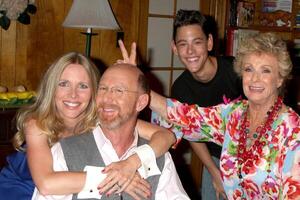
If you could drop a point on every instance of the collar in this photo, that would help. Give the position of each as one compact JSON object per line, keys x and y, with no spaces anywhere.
{"x":103,"y":142}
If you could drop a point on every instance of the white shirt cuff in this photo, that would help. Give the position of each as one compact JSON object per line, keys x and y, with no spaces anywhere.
{"x":148,"y":161}
{"x":94,"y":176}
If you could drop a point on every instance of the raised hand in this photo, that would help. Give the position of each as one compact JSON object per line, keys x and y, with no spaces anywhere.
{"x":130,"y":59}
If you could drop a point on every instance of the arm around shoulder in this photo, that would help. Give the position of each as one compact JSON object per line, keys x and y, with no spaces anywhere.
{"x":40,"y":161}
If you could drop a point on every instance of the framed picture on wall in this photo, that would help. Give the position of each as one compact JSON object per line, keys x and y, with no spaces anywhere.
{"x":245,"y":13}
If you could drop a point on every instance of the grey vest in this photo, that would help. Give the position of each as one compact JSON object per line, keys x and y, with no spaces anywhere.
{"x":81,"y":150}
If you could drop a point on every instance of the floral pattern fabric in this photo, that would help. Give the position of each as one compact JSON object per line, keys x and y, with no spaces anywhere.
{"x":220,"y":124}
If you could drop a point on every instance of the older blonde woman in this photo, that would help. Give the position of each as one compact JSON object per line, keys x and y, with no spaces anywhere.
{"x":259,"y":136}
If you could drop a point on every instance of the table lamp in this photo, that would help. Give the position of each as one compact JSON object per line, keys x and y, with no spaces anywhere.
{"x":91,"y":14}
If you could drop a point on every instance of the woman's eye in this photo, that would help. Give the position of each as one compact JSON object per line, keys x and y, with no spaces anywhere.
{"x":83,"y":86}
{"x":63,"y":83}
{"x":247,"y":69}
{"x":266,"y":71}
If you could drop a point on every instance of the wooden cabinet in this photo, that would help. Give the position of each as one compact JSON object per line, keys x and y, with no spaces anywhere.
{"x":265,"y":16}
{"x":7,"y":131}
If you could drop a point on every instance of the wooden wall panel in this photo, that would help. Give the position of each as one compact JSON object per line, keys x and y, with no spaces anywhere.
{"x":216,"y":9}
{"x":26,"y":51}
{"x":21,"y":56}
{"x":46,"y":41}
{"x":8,"y":55}
{"x":127,"y":13}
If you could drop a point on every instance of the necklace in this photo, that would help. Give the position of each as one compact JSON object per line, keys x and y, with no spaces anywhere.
{"x":247,"y":157}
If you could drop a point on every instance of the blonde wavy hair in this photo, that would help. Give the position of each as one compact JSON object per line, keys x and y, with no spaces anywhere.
{"x":44,"y":111}
{"x":266,"y":43}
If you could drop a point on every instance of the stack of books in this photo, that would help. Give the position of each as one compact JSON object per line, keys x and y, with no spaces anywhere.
{"x":234,"y":38}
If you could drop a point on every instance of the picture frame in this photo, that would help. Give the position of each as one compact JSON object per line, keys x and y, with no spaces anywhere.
{"x":245,"y":13}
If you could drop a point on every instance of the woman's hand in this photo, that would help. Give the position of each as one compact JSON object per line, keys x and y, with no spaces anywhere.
{"x":218,"y":185}
{"x":119,"y":175}
{"x":130,"y":59}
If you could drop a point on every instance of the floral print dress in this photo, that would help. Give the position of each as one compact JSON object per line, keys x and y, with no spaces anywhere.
{"x":275,"y":171}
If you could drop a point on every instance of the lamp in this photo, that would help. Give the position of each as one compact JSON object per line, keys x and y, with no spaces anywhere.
{"x":90,"y":14}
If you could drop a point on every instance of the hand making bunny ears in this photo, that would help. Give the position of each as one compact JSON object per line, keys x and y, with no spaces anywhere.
{"x":130,"y":59}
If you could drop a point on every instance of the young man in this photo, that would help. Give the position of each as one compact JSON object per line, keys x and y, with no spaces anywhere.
{"x":207,"y":81}
{"x":122,"y":93}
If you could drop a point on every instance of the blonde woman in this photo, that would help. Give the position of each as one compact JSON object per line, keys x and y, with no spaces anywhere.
{"x":65,"y":106}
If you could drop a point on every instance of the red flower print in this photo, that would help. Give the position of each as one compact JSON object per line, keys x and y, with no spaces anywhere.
{"x":237,"y":194}
{"x":293,"y":187}
{"x":227,"y":164}
{"x":251,"y":188}
{"x":271,"y":187}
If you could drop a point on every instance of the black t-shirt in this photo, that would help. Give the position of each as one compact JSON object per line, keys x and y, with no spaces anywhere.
{"x":226,"y":82}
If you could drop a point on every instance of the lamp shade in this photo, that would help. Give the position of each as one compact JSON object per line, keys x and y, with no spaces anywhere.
{"x":88,"y":14}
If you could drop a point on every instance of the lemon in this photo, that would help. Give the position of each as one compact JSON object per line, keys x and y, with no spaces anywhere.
{"x":24,"y":95}
{"x":3,"y":95}
{"x":11,"y":95}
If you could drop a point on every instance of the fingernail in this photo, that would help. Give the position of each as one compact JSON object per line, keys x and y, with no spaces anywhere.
{"x":103,"y":170}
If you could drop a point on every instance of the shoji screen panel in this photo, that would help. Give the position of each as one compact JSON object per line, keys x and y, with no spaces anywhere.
{"x":165,"y":67}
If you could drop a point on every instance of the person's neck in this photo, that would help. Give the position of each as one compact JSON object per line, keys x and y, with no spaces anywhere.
{"x":69,"y":128}
{"x":258,"y":112}
{"x":121,"y":138}
{"x":208,"y":72}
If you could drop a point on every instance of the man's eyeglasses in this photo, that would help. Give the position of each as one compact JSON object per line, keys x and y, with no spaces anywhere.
{"x":117,"y":91}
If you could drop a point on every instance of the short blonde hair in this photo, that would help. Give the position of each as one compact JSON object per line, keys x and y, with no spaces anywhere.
{"x":44,"y":109}
{"x":265,"y":43}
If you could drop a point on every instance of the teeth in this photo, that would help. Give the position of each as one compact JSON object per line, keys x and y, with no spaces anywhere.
{"x":192,"y":59}
{"x":108,"y":109}
{"x":71,"y":104}
{"x":255,"y":87}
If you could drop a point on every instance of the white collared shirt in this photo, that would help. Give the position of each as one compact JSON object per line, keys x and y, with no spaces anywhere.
{"x":169,"y":185}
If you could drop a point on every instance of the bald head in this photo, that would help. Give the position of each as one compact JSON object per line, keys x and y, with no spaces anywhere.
{"x":128,"y":72}
{"x":124,"y":67}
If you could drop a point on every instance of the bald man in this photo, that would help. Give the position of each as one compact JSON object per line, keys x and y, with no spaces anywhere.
{"x":122,"y":93}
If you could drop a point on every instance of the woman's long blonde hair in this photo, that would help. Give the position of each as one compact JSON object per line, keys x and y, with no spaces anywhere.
{"x":44,"y":111}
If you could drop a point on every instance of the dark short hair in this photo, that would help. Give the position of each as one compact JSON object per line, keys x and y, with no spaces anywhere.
{"x":144,"y":83}
{"x":190,"y":17}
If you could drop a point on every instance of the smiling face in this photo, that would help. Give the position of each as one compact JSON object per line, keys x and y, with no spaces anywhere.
{"x":261,"y":79}
{"x":119,"y":97}
{"x":192,"y":47}
{"x":73,"y":93}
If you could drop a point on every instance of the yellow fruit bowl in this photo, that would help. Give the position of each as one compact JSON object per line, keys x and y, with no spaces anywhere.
{"x":16,"y":99}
